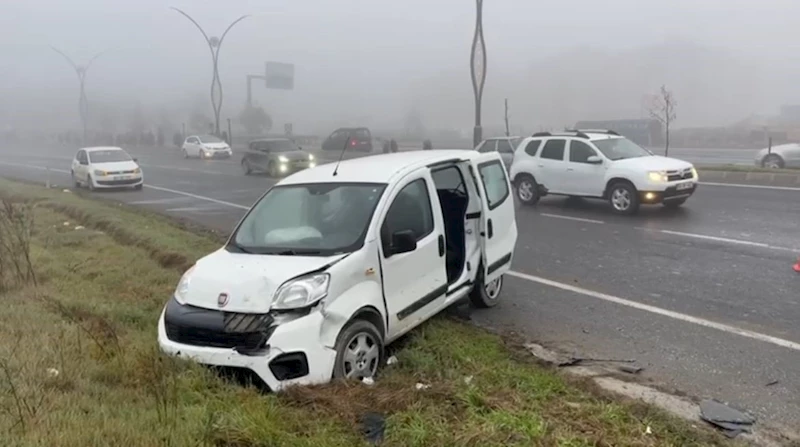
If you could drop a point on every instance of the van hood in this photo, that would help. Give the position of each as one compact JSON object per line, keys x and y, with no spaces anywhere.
{"x":653,"y":163}
{"x":249,"y":280}
{"x":116,"y":166}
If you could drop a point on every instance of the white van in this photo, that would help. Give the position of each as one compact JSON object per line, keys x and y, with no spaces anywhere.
{"x":332,"y":264}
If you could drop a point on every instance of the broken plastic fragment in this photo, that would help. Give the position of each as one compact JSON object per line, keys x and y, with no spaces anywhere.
{"x":630,"y":369}
{"x":52,"y":372}
{"x":422,"y":386}
{"x":648,"y":431}
{"x":368,"y":381}
{"x":80,"y":227}
{"x":730,"y":421}
{"x":468,"y":380}
{"x":391,"y":360}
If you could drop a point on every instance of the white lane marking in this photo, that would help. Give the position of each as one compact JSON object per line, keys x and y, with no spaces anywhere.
{"x":579,"y":219}
{"x":161,"y":201}
{"x":720,"y":239}
{"x":738,"y":185}
{"x":659,"y":311}
{"x":187,"y":194}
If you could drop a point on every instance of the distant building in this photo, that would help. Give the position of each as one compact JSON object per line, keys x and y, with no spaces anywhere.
{"x":645,"y":132}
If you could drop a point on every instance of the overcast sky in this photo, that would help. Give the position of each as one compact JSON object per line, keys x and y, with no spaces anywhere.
{"x":360,"y":59}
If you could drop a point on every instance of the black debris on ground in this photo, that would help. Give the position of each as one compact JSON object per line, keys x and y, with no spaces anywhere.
{"x":373,"y":426}
{"x":730,"y":421}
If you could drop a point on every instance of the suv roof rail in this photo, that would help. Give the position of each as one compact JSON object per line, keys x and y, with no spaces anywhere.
{"x":605,"y":131}
{"x":566,"y":132}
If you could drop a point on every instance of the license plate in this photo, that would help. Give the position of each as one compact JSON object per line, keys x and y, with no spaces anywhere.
{"x":684,"y":186}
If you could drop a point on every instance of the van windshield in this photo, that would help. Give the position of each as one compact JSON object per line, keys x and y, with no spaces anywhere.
{"x":319,"y":219}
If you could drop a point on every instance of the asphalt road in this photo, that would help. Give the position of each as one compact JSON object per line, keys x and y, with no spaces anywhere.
{"x":702,"y":297}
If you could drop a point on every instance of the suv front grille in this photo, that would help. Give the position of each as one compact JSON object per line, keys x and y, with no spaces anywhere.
{"x":685,"y":174}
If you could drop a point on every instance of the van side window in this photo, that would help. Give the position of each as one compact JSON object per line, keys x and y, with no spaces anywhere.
{"x":495,"y":183}
{"x":410,"y":210}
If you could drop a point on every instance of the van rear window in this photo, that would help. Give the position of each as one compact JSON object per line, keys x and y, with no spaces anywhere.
{"x":362,"y":134}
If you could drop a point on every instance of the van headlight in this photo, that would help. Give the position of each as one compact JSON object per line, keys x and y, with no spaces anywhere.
{"x":301,"y":292}
{"x":100,"y":173}
{"x":694,"y":173}
{"x":183,"y":286}
{"x":310,"y":157}
{"x":657,"y":176}
{"x":283,"y":159}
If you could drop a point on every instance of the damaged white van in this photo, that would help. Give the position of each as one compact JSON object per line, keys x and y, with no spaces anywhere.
{"x":333,"y":263}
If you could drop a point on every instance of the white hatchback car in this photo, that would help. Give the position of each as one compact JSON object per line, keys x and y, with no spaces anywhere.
{"x":599,"y":164}
{"x":205,"y":147}
{"x":331,"y":264}
{"x":105,"y":167}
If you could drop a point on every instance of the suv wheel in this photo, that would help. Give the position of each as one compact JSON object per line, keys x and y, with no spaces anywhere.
{"x":623,"y":198}
{"x":527,"y":190}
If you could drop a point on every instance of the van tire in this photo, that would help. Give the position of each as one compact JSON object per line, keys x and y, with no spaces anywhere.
{"x":354,"y":333}
{"x":484,"y":297}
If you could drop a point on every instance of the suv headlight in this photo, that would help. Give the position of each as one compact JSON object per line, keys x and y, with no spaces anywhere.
{"x":301,"y":292}
{"x":657,"y":176}
{"x":283,"y":159}
{"x":183,"y":286}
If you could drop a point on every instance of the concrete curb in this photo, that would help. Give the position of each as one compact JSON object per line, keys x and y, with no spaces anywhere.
{"x":764,"y":434}
{"x":750,"y":178}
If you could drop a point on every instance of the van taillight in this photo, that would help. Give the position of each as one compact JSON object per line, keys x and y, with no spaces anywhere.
{"x":353,"y":142}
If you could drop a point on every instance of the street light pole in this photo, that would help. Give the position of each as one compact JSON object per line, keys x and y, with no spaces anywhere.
{"x":83,"y":101}
{"x":214,"y":44}
{"x":478,"y":71}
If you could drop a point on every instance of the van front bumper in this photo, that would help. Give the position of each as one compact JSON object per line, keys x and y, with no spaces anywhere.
{"x":281,"y":355}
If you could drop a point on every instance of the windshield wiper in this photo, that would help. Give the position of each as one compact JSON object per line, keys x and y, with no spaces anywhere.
{"x":240,"y":248}
{"x":296,"y":252}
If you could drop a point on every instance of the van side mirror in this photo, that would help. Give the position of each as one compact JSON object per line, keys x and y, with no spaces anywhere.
{"x":403,"y":242}
{"x":594,"y":159}
{"x":136,"y":160}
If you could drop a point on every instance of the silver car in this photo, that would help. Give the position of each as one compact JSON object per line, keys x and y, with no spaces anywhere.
{"x":504,"y":145}
{"x":781,"y":156}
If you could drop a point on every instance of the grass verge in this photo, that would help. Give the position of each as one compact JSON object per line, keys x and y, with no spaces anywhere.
{"x":79,"y":363}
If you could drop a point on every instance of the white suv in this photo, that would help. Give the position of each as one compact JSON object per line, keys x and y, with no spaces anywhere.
{"x":599,"y":164}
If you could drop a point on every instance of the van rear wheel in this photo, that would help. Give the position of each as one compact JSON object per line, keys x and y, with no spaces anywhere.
{"x":485,"y":295}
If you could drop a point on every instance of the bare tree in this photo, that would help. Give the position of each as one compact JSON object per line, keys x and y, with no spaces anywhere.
{"x":663,"y":110}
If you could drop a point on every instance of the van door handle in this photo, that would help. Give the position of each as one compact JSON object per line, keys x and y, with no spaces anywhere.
{"x":490,"y":228}
{"x":441,"y":245}
{"x":541,"y":166}
{"x":570,"y":169}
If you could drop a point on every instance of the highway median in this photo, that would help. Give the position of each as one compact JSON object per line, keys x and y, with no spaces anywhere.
{"x":749,"y":175}
{"x":83,"y":282}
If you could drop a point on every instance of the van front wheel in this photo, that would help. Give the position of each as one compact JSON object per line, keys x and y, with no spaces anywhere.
{"x":359,"y":351}
{"x":485,"y":295}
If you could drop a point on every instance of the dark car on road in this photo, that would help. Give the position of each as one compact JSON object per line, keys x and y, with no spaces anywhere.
{"x":353,"y":138}
{"x":276,"y":157}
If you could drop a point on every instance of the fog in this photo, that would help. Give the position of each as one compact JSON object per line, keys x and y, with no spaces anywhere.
{"x":369,"y":62}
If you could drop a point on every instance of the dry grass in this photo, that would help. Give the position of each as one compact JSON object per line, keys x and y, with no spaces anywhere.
{"x":79,"y":365}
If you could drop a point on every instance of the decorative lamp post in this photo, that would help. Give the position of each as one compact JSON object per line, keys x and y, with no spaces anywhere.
{"x":478,"y":71}
{"x":83,"y":102}
{"x":214,"y":44}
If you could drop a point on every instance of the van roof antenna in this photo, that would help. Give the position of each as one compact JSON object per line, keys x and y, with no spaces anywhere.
{"x":336,"y":169}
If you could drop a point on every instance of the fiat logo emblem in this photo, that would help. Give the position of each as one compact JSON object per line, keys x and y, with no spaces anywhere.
{"x":222,"y":300}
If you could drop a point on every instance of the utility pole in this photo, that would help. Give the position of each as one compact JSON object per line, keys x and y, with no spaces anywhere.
{"x":506,"y":119}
